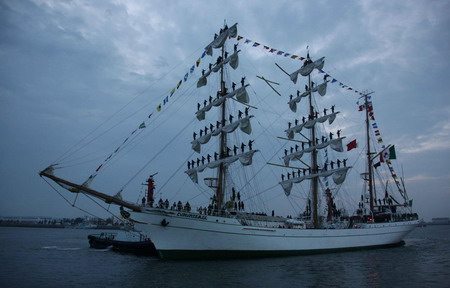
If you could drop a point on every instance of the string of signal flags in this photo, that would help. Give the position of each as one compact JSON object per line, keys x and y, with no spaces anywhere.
{"x":253,"y":44}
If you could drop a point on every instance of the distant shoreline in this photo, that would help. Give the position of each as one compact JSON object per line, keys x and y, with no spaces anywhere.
{"x":37,"y":225}
{"x":19,"y":224}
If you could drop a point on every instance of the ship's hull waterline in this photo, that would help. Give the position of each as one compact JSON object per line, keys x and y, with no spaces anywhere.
{"x":189,"y":235}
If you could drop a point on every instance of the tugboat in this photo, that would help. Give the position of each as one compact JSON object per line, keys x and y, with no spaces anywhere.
{"x":124,"y":242}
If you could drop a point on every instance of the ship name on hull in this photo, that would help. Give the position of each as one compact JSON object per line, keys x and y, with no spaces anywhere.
{"x":188,"y":215}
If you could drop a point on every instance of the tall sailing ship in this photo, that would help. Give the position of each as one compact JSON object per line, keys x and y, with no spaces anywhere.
{"x":225,"y":227}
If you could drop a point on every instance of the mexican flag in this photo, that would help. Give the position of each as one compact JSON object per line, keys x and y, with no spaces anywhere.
{"x":388,"y":154}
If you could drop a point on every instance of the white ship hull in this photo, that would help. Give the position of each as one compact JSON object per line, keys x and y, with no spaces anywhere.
{"x":191,"y":235}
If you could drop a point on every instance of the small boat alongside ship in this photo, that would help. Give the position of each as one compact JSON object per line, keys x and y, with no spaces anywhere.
{"x":124,"y":242}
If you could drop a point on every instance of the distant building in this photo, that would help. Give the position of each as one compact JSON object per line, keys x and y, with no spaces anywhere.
{"x":440,"y":221}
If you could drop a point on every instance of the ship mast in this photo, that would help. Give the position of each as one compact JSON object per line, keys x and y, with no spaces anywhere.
{"x":314,"y":181}
{"x":223,"y":144}
{"x":369,"y":153}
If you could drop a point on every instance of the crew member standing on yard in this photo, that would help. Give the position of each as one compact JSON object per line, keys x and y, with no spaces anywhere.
{"x":243,"y":147}
{"x":250,"y":143}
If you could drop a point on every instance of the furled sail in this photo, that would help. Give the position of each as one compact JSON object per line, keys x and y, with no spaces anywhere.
{"x":203,"y":80}
{"x":243,"y":124}
{"x":307,"y":69}
{"x":318,"y":64}
{"x":335,"y":144}
{"x":220,"y":40}
{"x":246,"y":159}
{"x":310,"y":123}
{"x":233,"y":59}
{"x":321,"y":88}
{"x":338,"y":176}
{"x":293,"y":103}
{"x":241,"y":96}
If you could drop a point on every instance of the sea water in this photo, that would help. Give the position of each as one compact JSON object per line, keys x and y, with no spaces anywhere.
{"x":43,"y":257}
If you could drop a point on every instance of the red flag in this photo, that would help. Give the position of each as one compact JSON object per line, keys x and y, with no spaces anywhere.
{"x":351,"y":145}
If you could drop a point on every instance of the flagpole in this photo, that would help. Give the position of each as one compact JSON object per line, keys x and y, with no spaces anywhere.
{"x":369,"y":159}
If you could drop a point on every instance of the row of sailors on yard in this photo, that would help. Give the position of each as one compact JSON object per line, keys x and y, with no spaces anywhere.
{"x":324,"y":139}
{"x":210,"y":99}
{"x":220,"y":123}
{"x":312,"y":84}
{"x":218,"y":61}
{"x":314,"y":171}
{"x":191,"y":164}
{"x":313,"y":116}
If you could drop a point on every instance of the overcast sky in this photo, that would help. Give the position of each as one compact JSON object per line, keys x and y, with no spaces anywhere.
{"x":68,"y":67}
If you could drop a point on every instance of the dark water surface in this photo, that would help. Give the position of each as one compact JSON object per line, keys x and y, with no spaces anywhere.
{"x":42,"y":257}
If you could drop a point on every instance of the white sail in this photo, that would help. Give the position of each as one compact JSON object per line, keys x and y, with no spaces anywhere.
{"x":293,"y":103}
{"x":322,"y":89}
{"x":339,"y":175}
{"x":294,"y":75}
{"x":245,"y":158}
{"x":310,"y":123}
{"x":319,"y":63}
{"x":203,"y":80}
{"x":241,"y":96}
{"x":233,"y":59}
{"x":243,"y":124}
{"x":307,"y":69}
{"x":220,"y":40}
{"x":335,"y":144}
